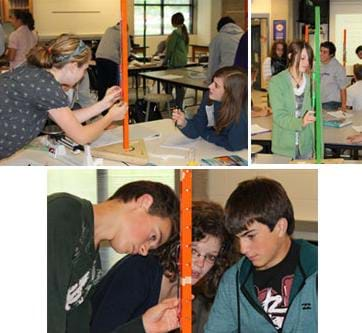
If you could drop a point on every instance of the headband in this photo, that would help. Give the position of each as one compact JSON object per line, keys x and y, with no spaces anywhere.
{"x":80,"y":48}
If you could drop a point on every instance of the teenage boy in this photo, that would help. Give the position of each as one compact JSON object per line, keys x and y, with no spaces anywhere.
{"x":333,"y":79}
{"x":273,"y":288}
{"x":354,"y":92}
{"x":140,"y":216}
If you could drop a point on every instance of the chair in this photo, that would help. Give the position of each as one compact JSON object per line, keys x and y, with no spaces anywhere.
{"x":156,"y":98}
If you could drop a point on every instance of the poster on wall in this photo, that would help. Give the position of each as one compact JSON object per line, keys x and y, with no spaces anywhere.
{"x":279,"y":29}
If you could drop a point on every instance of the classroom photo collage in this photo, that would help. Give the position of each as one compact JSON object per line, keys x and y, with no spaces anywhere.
{"x":190,"y":151}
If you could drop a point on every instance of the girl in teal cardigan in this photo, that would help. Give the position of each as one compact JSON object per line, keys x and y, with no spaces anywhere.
{"x":289,"y":93}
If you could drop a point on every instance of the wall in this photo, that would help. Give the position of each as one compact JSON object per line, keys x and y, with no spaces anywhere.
{"x":81,"y":17}
{"x":346,"y":15}
{"x":301,"y":186}
{"x":91,"y":18}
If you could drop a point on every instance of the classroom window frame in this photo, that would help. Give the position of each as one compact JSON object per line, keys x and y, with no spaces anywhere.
{"x":162,"y":5}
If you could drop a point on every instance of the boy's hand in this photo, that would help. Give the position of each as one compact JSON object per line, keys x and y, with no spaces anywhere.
{"x":162,"y":317}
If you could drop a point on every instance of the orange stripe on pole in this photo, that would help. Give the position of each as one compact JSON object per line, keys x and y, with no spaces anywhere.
{"x":306,"y":33}
{"x":186,"y":252}
{"x":344,"y":47}
{"x":124,"y":69}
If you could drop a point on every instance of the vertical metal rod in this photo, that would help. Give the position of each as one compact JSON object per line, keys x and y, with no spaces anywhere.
{"x":318,"y":105}
{"x":124,"y":69}
{"x":186,"y":252}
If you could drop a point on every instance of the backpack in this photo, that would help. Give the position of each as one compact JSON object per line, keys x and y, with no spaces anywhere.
{"x":138,"y":111}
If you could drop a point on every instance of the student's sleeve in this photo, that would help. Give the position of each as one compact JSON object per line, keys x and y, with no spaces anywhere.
{"x":196,"y":126}
{"x":59,"y":263}
{"x":341,"y":77}
{"x":236,"y":138}
{"x":214,"y":58}
{"x":222,"y":315}
{"x":281,"y":115}
{"x":13,"y":42}
{"x":126,"y":292}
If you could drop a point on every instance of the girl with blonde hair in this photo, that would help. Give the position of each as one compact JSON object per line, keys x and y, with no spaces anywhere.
{"x":31,"y":93}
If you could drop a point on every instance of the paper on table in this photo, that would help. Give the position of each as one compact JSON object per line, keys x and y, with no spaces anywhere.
{"x":340,"y":114}
{"x":358,"y":128}
{"x":171,"y":76}
{"x":256,"y":129}
{"x":179,"y":141}
{"x":115,"y":135}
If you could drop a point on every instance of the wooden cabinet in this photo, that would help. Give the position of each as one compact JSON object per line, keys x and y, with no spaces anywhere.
{"x":8,"y":7}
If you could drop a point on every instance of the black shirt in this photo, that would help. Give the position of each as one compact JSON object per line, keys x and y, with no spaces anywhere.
{"x":273,"y":286}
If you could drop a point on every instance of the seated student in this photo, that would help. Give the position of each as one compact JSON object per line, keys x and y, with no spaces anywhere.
{"x":223,"y":47}
{"x":277,"y":61}
{"x":138,"y":217}
{"x":257,"y":110}
{"x":354,"y":92}
{"x":22,"y":40}
{"x":32,"y":92}
{"x":136,"y":283}
{"x":289,"y":95}
{"x":222,"y":117}
{"x":359,"y":51}
{"x":273,"y":288}
{"x":333,"y":79}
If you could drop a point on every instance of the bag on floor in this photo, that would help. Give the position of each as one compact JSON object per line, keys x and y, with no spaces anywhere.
{"x":138,"y":111}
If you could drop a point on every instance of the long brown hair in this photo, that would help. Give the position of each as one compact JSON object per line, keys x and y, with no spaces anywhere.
{"x":207,"y":219}
{"x":178,"y":20}
{"x":59,"y":52}
{"x":234,"y":98}
{"x":294,"y":52}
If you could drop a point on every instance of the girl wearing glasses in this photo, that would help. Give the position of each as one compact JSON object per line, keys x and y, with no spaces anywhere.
{"x":136,"y":283}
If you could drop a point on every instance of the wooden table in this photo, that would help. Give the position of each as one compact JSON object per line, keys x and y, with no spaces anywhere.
{"x":195,"y":48}
{"x":154,"y":134}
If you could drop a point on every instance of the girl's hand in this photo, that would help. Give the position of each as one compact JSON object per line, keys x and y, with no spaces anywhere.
{"x":118,"y":111}
{"x":308,"y":118}
{"x":112,"y":96}
{"x":179,"y":117}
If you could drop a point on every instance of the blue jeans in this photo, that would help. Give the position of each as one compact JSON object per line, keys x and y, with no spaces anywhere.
{"x":331,"y":106}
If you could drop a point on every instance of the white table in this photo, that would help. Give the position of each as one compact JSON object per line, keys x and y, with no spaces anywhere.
{"x":334,"y":138}
{"x":154,"y":133}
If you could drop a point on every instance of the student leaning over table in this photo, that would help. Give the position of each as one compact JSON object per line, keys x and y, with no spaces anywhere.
{"x":289,"y":94}
{"x":33,"y":91}
{"x":138,"y":217}
{"x":136,"y":283}
{"x":222,"y":117}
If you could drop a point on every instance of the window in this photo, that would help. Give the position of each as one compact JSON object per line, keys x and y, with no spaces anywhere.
{"x":158,"y":15}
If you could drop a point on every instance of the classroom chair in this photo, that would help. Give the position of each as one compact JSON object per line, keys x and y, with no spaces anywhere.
{"x":158,"y":99}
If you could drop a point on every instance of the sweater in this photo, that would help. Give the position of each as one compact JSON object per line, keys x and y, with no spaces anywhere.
{"x":176,"y":50}
{"x":237,"y":309}
{"x":285,"y":123}
{"x":233,"y":137}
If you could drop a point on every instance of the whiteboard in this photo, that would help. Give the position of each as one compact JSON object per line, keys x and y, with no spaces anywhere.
{"x":346,"y":15}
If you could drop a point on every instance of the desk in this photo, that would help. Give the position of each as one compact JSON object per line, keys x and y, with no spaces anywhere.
{"x":334,"y":138}
{"x":37,"y":154}
{"x":188,"y":77}
{"x":198,"y":48}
